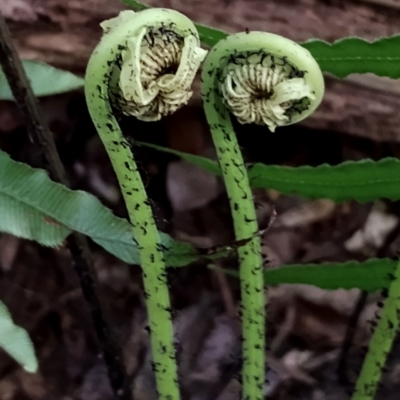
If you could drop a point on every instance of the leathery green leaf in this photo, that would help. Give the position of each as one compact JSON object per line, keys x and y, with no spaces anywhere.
{"x":36,"y":208}
{"x":371,"y":275}
{"x":355,"y":55}
{"x":45,"y":80}
{"x":15,"y":341}
{"x":362,"y":181}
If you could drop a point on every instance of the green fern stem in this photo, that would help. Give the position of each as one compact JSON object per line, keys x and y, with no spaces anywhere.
{"x":100,"y":72}
{"x":381,"y":343}
{"x":249,"y":75}
{"x":245,"y":225}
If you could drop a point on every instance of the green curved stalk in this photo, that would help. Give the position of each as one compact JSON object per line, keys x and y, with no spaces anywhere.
{"x":100,"y":71}
{"x":278,"y":83}
{"x":245,"y":225}
{"x":381,"y":343}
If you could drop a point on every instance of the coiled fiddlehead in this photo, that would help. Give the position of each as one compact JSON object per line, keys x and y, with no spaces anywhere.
{"x":265,"y":79}
{"x":144,"y":66}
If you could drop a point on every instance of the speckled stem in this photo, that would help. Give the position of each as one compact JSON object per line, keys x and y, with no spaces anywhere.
{"x":245,"y":225}
{"x":380,"y":343}
{"x":223,"y":59}
{"x":144,"y":228}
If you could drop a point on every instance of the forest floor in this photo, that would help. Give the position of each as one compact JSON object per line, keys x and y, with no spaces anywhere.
{"x":306,"y":325}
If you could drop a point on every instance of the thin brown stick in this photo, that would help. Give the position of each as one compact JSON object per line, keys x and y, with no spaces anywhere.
{"x":41,"y":136}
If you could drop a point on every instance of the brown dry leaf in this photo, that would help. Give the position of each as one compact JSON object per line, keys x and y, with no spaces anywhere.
{"x":318,"y":325}
{"x":34,"y":385}
{"x":190,"y":186}
{"x":8,"y":388}
{"x":20,"y":10}
{"x":341,"y":300}
{"x":232,"y":391}
{"x":372,"y":235}
{"x":9,"y":117}
{"x":75,"y":345}
{"x":318,"y":317}
{"x":281,"y":246}
{"x":293,"y":361}
{"x":9,"y":246}
{"x":324,"y":251}
{"x":96,"y":384}
{"x":187,"y":130}
{"x":306,"y":214}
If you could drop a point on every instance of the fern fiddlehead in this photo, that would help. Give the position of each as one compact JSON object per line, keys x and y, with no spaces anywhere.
{"x":144,"y":66}
{"x":264,"y":79}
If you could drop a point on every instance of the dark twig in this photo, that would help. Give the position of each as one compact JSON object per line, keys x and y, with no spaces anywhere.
{"x":40,"y":135}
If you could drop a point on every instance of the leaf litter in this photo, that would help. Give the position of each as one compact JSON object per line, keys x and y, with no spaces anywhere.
{"x":306,"y":325}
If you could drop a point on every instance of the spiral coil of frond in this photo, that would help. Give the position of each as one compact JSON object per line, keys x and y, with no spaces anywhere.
{"x":264,"y":89}
{"x":156,"y":71}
